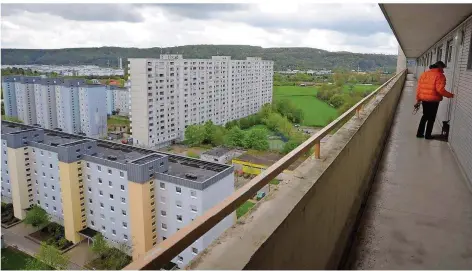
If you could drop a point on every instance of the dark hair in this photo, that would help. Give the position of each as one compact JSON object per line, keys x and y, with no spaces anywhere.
{"x":440,"y":64}
{"x":432,"y":66}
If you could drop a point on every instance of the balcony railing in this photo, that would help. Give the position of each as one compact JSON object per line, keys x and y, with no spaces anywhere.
{"x":168,"y":249}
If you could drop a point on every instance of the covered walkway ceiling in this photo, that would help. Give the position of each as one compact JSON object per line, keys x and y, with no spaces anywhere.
{"x":417,"y":27}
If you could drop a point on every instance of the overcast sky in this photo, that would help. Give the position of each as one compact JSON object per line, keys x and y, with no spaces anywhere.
{"x":334,"y":27}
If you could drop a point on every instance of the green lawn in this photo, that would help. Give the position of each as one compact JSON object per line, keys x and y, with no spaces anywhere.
{"x":13,"y":259}
{"x":118,"y":120}
{"x":317,"y":113}
{"x":274,"y":182}
{"x":244,"y":208}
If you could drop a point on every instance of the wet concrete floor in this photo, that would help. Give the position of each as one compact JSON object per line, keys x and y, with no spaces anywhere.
{"x":419,"y":211}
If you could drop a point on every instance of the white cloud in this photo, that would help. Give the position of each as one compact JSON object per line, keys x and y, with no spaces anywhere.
{"x":357,"y":28}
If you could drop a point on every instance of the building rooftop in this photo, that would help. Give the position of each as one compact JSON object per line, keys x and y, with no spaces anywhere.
{"x":219,"y":151}
{"x":193,"y":170}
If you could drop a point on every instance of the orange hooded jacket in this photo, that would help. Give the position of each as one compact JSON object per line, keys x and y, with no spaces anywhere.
{"x":431,"y":86}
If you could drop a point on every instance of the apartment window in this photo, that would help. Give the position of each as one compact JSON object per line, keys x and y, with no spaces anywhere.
{"x":90,"y":200}
{"x":88,"y":177}
{"x":113,"y":232}
{"x":102,"y":216}
{"x":103,"y":228}
{"x":91,"y":212}
{"x":111,"y":196}
{"x":110,"y":184}
{"x":194,"y":250}
{"x":163,"y":199}
{"x":88,"y":165}
{"x":164,"y":226}
{"x":179,"y":218}
{"x":180,"y":258}
{"x":193,"y":193}
{"x":125,"y":236}
{"x":193,"y":208}
{"x":112,"y":208}
{"x":178,"y":190}
{"x":101,"y":193}
{"x":50,"y":165}
{"x":99,"y":168}
{"x":125,"y":225}
{"x":162,"y":185}
{"x":178,"y":203}
{"x":469,"y":60}
{"x":53,"y":198}
{"x":122,"y":174}
{"x":100,"y":180}
{"x":101,"y":204}
{"x":109,"y":171}
{"x":52,"y":186}
{"x":93,"y":223}
{"x":163,"y":213}
{"x":123,"y":200}
{"x":90,"y":189}
{"x":123,"y":212}
{"x":449,"y":51}
{"x":122,"y":188}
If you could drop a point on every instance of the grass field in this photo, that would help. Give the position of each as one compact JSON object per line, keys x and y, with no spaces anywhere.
{"x":118,"y":120}
{"x":13,"y":259}
{"x":244,"y":208}
{"x":317,"y":112}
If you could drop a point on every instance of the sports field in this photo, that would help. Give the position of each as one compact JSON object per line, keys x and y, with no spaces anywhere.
{"x":317,"y":112}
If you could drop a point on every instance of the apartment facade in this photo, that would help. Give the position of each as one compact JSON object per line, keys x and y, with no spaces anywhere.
{"x":121,"y":98}
{"x":25,"y":101}
{"x":68,"y":110}
{"x":110,"y":100}
{"x":133,"y":196}
{"x":45,"y":101}
{"x":170,"y":93}
{"x":93,"y":115}
{"x":9,"y":95}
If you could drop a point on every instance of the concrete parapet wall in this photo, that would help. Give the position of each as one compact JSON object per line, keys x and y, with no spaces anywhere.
{"x":307,"y":222}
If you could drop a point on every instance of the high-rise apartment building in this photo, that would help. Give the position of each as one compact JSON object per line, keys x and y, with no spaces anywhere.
{"x":170,"y":93}
{"x":68,"y":110}
{"x":93,"y":115}
{"x":45,"y":101}
{"x":132,"y":196}
{"x":110,"y":99}
{"x":121,"y":98}
{"x":25,"y":101}
{"x":9,"y":95}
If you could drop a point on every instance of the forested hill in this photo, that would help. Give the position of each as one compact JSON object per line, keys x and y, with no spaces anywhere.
{"x":284,"y":58}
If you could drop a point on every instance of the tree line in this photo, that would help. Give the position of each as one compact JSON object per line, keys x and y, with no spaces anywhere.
{"x":277,"y":117}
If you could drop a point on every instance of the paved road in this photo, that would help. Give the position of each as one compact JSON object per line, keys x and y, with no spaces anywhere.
{"x":20,"y":242}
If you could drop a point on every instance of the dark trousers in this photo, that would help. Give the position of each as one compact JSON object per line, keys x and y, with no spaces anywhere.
{"x":430,"y":109}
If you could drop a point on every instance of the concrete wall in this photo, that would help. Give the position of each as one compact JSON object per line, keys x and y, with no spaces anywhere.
{"x":307,"y":222}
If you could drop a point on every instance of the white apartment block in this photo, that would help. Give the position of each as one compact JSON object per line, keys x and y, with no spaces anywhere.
{"x":57,"y":103}
{"x":25,"y":101}
{"x":132,"y":196}
{"x":121,"y":98}
{"x":93,"y":113}
{"x":170,"y":93}
{"x":45,"y":101}
{"x":68,"y":110}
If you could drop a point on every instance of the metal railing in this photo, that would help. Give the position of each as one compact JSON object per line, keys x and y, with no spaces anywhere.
{"x":168,"y":249}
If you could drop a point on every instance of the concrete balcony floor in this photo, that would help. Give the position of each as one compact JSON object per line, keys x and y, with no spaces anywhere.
{"x":419,"y":211}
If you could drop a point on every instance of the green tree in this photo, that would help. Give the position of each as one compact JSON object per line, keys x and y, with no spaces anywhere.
{"x":218,"y":136}
{"x":257,"y":139}
{"x":37,"y":217}
{"x":99,"y":245}
{"x":194,"y":135}
{"x":337,"y":100}
{"x":3,"y":108}
{"x":235,"y":137}
{"x":209,"y":130}
{"x":52,"y":257}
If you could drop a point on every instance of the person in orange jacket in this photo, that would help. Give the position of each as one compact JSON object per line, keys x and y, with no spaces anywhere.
{"x":430,"y":91}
